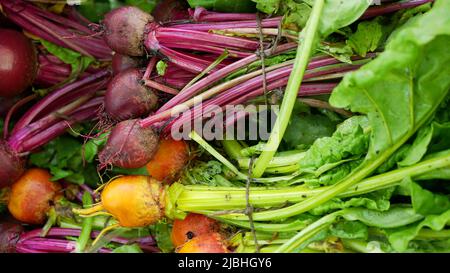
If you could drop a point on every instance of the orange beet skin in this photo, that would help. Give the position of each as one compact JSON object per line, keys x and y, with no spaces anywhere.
{"x":32,"y":196}
{"x":191,"y":226}
{"x":206,"y":243}
{"x":168,"y":161}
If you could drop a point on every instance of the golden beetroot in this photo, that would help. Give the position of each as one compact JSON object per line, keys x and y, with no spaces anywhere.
{"x":32,"y":196}
{"x":170,"y":158}
{"x":193,"y":225}
{"x":134,"y":200}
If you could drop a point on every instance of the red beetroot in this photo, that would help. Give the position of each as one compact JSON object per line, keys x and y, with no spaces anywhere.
{"x":125,"y":28}
{"x":127,"y":98}
{"x":18,"y":63}
{"x":170,"y":10}
{"x":12,"y":166}
{"x":129,"y":145}
{"x":9,"y":236}
{"x":121,"y":63}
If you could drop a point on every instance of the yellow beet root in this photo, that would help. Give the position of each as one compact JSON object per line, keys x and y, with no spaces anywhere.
{"x":134,"y":200}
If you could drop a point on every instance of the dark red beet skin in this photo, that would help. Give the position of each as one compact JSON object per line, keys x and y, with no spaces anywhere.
{"x":171,"y":10}
{"x":121,"y":63}
{"x":129,"y":145}
{"x":9,"y":236}
{"x":127,"y":98}
{"x":11,"y":165}
{"x":125,"y":29}
{"x":18,"y":63}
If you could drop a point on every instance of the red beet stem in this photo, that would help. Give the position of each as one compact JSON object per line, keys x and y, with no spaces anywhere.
{"x":55,"y":130}
{"x":252,"y":88}
{"x":50,"y":119}
{"x":200,"y":14}
{"x":56,"y":29}
{"x":57,"y":94}
{"x":11,"y":111}
{"x":393,"y":7}
{"x":265,"y":23}
{"x":211,"y":79}
{"x":175,"y":35}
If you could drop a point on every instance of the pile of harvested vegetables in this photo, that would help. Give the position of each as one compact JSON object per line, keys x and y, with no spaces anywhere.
{"x":117,"y":134}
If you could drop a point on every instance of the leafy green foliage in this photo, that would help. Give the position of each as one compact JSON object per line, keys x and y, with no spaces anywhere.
{"x":394,"y":217}
{"x":336,"y":14}
{"x":66,"y":159}
{"x":162,"y":231}
{"x":426,"y":202}
{"x":78,"y":62}
{"x":211,"y":173}
{"x":145,"y":5}
{"x":224,"y":5}
{"x":161,"y":67}
{"x":94,"y":10}
{"x":410,"y":72}
{"x":400,"y":238}
{"x":377,"y":201}
{"x":329,"y":177}
{"x":134,"y":248}
{"x":349,"y":230}
{"x":349,"y":140}
{"x":338,"y":50}
{"x":367,"y":38}
{"x":339,"y":14}
{"x":305,"y":127}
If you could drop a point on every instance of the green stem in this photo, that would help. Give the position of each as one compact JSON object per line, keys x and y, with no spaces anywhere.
{"x":196,"y":198}
{"x":267,"y":227}
{"x":307,"y":233}
{"x":213,"y":65}
{"x":304,"y":52}
{"x":429,"y":234}
{"x":232,"y":148}
{"x":86,"y":227}
{"x":360,"y":246}
{"x":194,"y":136}
{"x":279,"y":160}
{"x":52,"y":217}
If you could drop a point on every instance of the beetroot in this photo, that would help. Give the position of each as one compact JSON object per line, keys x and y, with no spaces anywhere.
{"x":123,"y":62}
{"x":129,"y":145}
{"x":127,"y":98}
{"x":12,"y":166}
{"x":9,"y":236}
{"x":170,"y":10}
{"x":125,"y":28}
{"x":18,"y":63}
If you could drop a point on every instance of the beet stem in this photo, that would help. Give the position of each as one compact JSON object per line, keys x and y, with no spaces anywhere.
{"x":212,"y":78}
{"x":160,"y":87}
{"x":200,"y":14}
{"x":11,"y":111}
{"x":64,"y":91}
{"x":393,"y":7}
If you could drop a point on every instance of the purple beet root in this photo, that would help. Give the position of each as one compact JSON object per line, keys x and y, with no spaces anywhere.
{"x":121,"y":63}
{"x":18,"y":62}
{"x":11,"y":165}
{"x":171,"y":10}
{"x":129,"y":145}
{"x":9,"y":235}
{"x":125,"y":28}
{"x":127,"y":98}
